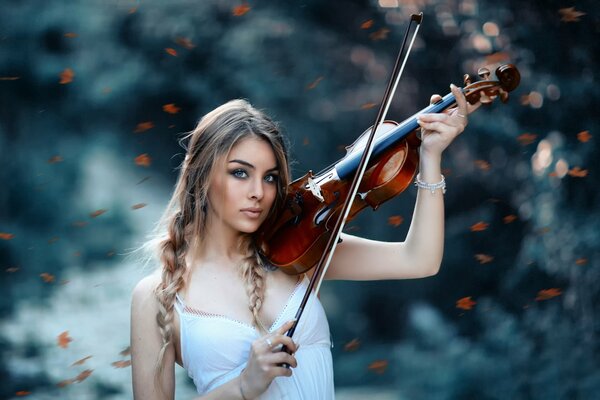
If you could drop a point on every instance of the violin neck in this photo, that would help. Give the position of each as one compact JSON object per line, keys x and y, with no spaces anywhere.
{"x":346,"y":167}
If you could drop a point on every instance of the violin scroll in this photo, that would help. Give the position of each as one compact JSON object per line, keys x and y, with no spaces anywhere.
{"x":486,"y":90}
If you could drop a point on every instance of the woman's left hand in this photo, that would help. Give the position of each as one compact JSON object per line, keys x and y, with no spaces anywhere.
{"x":438,"y":130}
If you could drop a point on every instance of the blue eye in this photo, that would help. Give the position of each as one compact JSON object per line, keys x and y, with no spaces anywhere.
{"x":271,"y":178}
{"x":239,"y":173}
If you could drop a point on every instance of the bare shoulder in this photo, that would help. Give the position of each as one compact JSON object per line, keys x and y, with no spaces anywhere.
{"x":143,"y":298}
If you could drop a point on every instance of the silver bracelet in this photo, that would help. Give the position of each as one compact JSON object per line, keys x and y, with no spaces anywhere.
{"x":431,"y":186}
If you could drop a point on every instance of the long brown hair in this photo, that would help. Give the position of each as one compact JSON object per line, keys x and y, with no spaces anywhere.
{"x":182,"y":225}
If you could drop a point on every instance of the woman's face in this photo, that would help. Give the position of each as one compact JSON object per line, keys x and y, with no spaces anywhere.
{"x":243,"y":186}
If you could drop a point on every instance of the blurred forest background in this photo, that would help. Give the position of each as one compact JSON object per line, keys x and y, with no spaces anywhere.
{"x":94,"y":95}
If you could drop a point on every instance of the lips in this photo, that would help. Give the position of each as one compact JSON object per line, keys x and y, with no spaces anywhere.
{"x":252,"y":212}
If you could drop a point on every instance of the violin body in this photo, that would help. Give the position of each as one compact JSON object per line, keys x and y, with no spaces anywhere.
{"x":295,"y":240}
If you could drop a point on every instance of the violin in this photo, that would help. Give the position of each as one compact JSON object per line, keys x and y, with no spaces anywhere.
{"x":295,"y":239}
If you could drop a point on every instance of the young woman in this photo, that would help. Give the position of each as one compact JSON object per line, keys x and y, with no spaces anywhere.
{"x":215,"y":307}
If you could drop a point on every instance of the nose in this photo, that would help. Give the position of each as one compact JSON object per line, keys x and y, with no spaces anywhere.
{"x":256,"y":189}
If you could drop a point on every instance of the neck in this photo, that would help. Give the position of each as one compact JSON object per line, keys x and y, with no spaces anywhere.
{"x":219,"y":245}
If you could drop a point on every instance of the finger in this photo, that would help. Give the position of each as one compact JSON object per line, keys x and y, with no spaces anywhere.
{"x":461,"y":101}
{"x":281,"y":358}
{"x":285,"y":327}
{"x":435,"y":98}
{"x":281,"y":371}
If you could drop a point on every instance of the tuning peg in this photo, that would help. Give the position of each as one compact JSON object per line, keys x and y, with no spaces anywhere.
{"x":467,"y":80}
{"x":483,"y":73}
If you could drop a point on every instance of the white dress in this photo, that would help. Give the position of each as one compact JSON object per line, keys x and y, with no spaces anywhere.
{"x":215,"y":349}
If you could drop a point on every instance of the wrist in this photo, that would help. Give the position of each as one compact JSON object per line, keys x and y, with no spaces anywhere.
{"x":242,"y":388}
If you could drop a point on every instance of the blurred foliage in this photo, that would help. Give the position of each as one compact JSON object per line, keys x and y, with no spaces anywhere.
{"x":137,"y":73}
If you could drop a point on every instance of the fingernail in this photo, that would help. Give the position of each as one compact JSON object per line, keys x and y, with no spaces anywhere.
{"x":452,"y":86}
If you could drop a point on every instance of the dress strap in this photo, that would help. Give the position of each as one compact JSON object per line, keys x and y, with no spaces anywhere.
{"x":179,"y":304}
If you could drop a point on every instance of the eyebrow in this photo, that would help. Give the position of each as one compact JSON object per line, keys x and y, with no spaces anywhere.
{"x":246,"y":163}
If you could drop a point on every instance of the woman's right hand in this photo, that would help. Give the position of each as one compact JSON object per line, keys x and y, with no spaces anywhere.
{"x":265,"y":361}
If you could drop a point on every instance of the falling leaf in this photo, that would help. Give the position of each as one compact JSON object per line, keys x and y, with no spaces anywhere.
{"x":9,"y":78}
{"x":509,"y":218}
{"x":138,"y":206}
{"x":395,"y":220}
{"x":378,"y":366}
{"x":497,"y":57}
{"x":66,"y":76}
{"x":12,"y":269}
{"x":46,"y":277}
{"x":70,"y":35}
{"x":80,"y":224}
{"x":81,"y":362}
{"x":55,"y":159}
{"x":352,"y":345}
{"x":544,"y":230}
{"x":577,"y":172}
{"x":106,"y":90}
{"x":314,"y":84}
{"x":367,"y":24}
{"x":64,"y":383}
{"x":6,"y":236}
{"x":64,"y":281}
{"x":64,"y":339}
{"x":570,"y":14}
{"x":380,"y":34}
{"x":479,"y":226}
{"x":171,"y":108}
{"x":526,"y":138}
{"x":22,"y":393}
{"x":305,"y":141}
{"x":143,"y":180}
{"x":185,"y":42}
{"x":581,"y":261}
{"x":466,"y":303}
{"x":53,"y":239}
{"x":143,"y":160}
{"x":143,"y":126}
{"x":366,"y":106}
{"x":132,"y":10}
{"x":121,"y":364}
{"x":171,"y":51}
{"x":83,"y":375}
{"x":240,"y":10}
{"x":482,"y":165}
{"x":584,"y":136}
{"x":97,"y":213}
{"x":110,"y":253}
{"x":484,"y":258}
{"x":548,"y":294}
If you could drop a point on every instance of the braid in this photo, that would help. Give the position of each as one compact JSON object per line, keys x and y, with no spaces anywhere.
{"x":173,"y":250}
{"x":254,"y":274}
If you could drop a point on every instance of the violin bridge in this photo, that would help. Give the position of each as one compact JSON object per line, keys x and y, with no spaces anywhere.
{"x":314,"y":189}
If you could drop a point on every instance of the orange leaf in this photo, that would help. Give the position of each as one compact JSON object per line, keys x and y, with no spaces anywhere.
{"x":581,"y":261}
{"x":185,"y":42}
{"x":366,"y":106}
{"x":48,"y":278}
{"x":80,"y":224}
{"x":378,"y":366}
{"x":483,"y":258}
{"x":548,"y":294}
{"x":240,"y":10}
{"x":509,"y":218}
{"x":6,"y":236}
{"x":584,"y":136}
{"x":12,"y":269}
{"x":132,"y":10}
{"x":64,"y":339}
{"x":83,"y":375}
{"x":138,"y":206}
{"x":577,"y":172}
{"x":570,"y":14}
{"x":466,"y":303}
{"x":367,"y":24}
{"x":171,"y":108}
{"x":70,"y":35}
{"x":81,"y":362}
{"x":480,"y":226}
{"x":482,"y":165}
{"x":53,"y":239}
{"x":497,"y":57}
{"x":314,"y":84}
{"x":66,"y":76}
{"x":171,"y":51}
{"x":395,"y":220}
{"x":64,"y":383}
{"x":352,"y":345}
{"x":526,"y":138}
{"x":121,"y":364}
{"x":305,"y":141}
{"x":9,"y":78}
{"x":97,"y":213}
{"x":143,"y":160}
{"x":22,"y":393}
{"x":126,"y":351}
{"x":380,"y":34}
{"x":55,"y":160}
{"x":143,"y":126}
